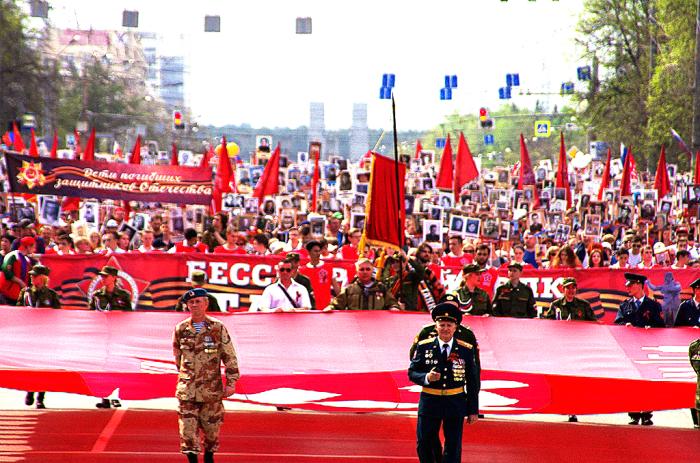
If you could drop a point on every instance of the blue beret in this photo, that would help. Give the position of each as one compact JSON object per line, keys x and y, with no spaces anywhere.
{"x":196,"y":292}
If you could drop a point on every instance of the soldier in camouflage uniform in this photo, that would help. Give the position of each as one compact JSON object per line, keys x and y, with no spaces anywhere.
{"x":694,"y":353}
{"x":364,"y":292}
{"x":472,"y":299}
{"x":570,"y":307}
{"x":200,"y":345}
{"x":38,"y":295}
{"x":514,"y":299}
{"x":110,"y":296}
{"x":198,"y":279}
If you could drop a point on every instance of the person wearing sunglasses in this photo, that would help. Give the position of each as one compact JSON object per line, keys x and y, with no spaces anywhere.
{"x":285,"y":295}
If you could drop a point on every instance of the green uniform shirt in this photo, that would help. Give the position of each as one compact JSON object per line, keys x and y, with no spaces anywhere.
{"x":118,"y":299}
{"x":475,"y":302}
{"x":514,"y":301}
{"x":30,"y":296}
{"x":578,"y":309}
{"x":356,"y":296}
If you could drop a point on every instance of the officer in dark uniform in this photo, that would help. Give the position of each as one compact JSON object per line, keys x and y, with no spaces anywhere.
{"x":694,"y":353}
{"x":198,"y":279}
{"x":570,"y":307}
{"x":514,"y":299}
{"x":689,"y":311}
{"x":446,"y":369}
{"x":643,"y":312}
{"x":293,"y":259}
{"x":110,"y":297}
{"x":38,"y":294}
{"x":472,"y":299}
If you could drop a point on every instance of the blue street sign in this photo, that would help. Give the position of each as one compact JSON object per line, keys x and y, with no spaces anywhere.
{"x":513,"y":80}
{"x":440,"y":142}
{"x":504,"y":93}
{"x":450,"y":81}
{"x":388,"y":80}
{"x":488,"y":139}
{"x":385,"y":93}
{"x":567,"y":88}
{"x":446,"y":93}
{"x":584,"y":73}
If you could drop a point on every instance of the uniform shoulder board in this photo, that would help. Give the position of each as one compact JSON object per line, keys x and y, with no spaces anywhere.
{"x":426,"y":341}
{"x":465,"y":344}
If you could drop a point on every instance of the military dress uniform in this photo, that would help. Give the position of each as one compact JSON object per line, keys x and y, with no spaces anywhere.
{"x":689,"y":311}
{"x":104,"y":301}
{"x":578,"y":309}
{"x":448,"y":400}
{"x":514,"y":301}
{"x":200,"y":390}
{"x":30,"y":296}
{"x":694,"y":354}
{"x":357,"y":296}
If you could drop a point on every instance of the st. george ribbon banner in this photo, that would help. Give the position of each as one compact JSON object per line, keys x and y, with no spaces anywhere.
{"x":94,"y":179}
{"x":353,"y":360}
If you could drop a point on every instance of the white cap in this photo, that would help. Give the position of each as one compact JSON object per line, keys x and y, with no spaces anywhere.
{"x":112,"y":223}
{"x":659,"y":247}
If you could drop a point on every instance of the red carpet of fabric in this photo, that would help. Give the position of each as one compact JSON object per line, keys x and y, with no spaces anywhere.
{"x":151,"y":436}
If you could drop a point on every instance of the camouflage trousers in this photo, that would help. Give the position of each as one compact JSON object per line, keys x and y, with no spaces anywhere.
{"x":196,"y":416}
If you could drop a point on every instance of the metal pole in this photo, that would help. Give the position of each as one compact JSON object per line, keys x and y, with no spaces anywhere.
{"x":398,"y":195}
{"x":695,"y":141}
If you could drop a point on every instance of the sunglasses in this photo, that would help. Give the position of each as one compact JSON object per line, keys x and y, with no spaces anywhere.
{"x":285,"y":270}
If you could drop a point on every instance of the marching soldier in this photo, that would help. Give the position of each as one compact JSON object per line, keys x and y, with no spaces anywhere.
{"x":514,"y":299}
{"x":200,"y":345}
{"x":643,"y":312}
{"x":198,"y":279}
{"x":570,"y":307}
{"x":694,"y":353}
{"x":110,"y":296}
{"x":689,"y":311}
{"x":38,"y":294}
{"x":446,"y":369}
{"x":472,"y":299}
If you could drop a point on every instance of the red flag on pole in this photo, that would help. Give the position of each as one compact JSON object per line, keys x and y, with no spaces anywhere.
{"x":605,"y":182}
{"x":17,"y":142}
{"x":78,"y":149}
{"x":465,"y":169}
{"x":382,"y":215}
{"x":6,"y":139}
{"x":563,"y":171}
{"x":662,"y":183}
{"x":224,"y":175}
{"x":315,"y":153}
{"x":527,"y":175}
{"x":136,"y":152}
{"x":419,"y":148}
{"x":33,"y":148}
{"x":626,"y":182}
{"x":54,"y":146}
{"x":89,"y":154}
{"x":445,"y":178}
{"x":696,"y":177}
{"x":269,"y":185}
{"x":173,"y":157}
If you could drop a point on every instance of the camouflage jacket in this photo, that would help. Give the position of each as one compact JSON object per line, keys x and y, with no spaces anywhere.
{"x":578,"y":309}
{"x":356,"y":296}
{"x":118,"y":299}
{"x":198,"y":358}
{"x":43,"y":297}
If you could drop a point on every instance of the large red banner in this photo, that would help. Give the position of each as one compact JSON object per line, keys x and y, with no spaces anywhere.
{"x":157,"y":280}
{"x":354,"y":360}
{"x":92,"y":179}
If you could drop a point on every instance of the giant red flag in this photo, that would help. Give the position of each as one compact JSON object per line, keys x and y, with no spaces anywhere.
{"x":605,"y":181}
{"x":224,"y":175}
{"x":89,"y":154}
{"x":527,"y":175}
{"x":206,"y":157}
{"x":696,"y":177}
{"x":17,"y":142}
{"x":385,"y":216}
{"x":33,"y":148}
{"x":662,"y":184}
{"x":54,"y":146}
{"x":78,"y":149}
{"x":563,"y":171}
{"x":445,"y":178}
{"x":626,"y":182}
{"x":173,"y":159}
{"x":465,"y":168}
{"x":269,"y":182}
{"x":136,"y":152}
{"x":419,"y":148}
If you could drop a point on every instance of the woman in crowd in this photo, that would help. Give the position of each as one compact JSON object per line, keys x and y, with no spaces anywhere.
{"x":235,"y":243}
{"x":566,"y":259}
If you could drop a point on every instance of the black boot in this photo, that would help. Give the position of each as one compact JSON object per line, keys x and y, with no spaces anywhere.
{"x":29,"y":400}
{"x":103,"y":404}
{"x":191,"y":457}
{"x":208,"y":457}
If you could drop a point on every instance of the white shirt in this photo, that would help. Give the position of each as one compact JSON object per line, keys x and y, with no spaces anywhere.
{"x":274,"y":298}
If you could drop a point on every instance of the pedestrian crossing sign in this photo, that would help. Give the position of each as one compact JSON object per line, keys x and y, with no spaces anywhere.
{"x":543,"y":128}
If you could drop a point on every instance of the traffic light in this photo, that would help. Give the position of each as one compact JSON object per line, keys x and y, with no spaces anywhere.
{"x":484,"y":120}
{"x":178,"y":122}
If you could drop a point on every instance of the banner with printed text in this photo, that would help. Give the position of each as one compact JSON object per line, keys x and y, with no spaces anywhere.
{"x":93,"y":179}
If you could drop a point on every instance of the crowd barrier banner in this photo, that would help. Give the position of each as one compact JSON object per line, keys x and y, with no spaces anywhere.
{"x":94,"y":179}
{"x":157,"y":280}
{"x":354,"y":360}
